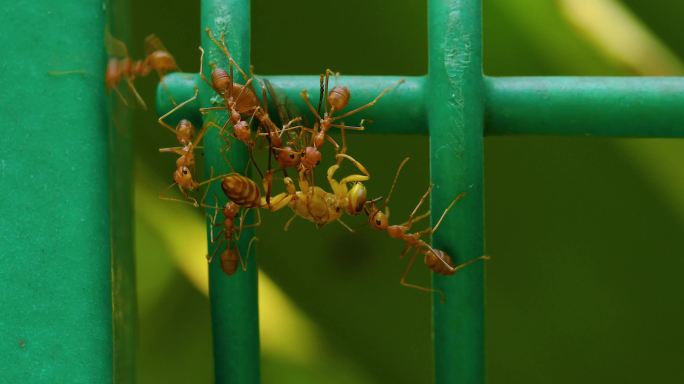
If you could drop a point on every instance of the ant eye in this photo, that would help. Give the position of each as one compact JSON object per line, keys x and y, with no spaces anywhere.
{"x":378,"y":222}
{"x":318,"y":162}
{"x":292,"y":156}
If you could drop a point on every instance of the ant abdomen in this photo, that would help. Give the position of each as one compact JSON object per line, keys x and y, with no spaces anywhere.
{"x":241,"y":190}
{"x":432,"y":260}
{"x":185,"y":131}
{"x":339,"y":97}
{"x":229,"y":261}
{"x":220,"y":80}
{"x":113,"y":73}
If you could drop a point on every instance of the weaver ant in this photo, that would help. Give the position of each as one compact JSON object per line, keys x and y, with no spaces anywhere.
{"x":335,"y":100}
{"x":231,"y":255}
{"x":435,"y":259}
{"x":309,"y":202}
{"x":121,"y":67}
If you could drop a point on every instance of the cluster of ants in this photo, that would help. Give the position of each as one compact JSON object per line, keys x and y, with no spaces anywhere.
{"x":293,"y":145}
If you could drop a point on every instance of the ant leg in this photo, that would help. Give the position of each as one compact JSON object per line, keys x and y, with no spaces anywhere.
{"x":419,"y":218}
{"x":187,"y":199}
{"x":253,"y":225}
{"x":287,"y":224}
{"x":407,"y":247}
{"x":177,"y":107}
{"x":166,"y":89}
{"x":177,"y":150}
{"x":201,"y":70}
{"x":131,"y":87}
{"x":212,"y":219}
{"x":243,"y":263}
{"x":471,"y":261}
{"x":321,"y":94}
{"x":457,"y":198}
{"x":368,"y":105}
{"x":415,"y":286}
{"x":216,"y":248}
{"x":360,"y":127}
{"x":206,"y":110}
{"x":222,"y":46}
{"x":221,"y":128}
{"x":325,"y":92}
{"x":396,"y":177}
{"x":409,"y":222}
{"x":305,"y":95}
{"x":334,"y":143}
{"x":337,"y":147}
{"x":121,"y":96}
{"x":278,"y":201}
{"x":211,"y":180}
{"x":359,"y":166}
{"x":345,"y":225}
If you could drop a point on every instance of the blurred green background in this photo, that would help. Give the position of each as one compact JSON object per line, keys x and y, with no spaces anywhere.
{"x":584,"y":285}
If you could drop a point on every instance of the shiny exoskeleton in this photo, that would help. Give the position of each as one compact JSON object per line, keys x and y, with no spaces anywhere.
{"x":311,"y":203}
{"x":435,"y":259}
{"x":335,"y":100}
{"x":121,"y":67}
{"x":230,"y":234}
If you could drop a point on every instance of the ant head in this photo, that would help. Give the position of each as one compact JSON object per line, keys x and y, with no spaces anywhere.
{"x":185,"y":131}
{"x":311,"y":158}
{"x":183,"y":177}
{"x":288,"y":157}
{"x":241,"y":131}
{"x":356,"y":199}
{"x":377,"y":218}
{"x":338,"y":97}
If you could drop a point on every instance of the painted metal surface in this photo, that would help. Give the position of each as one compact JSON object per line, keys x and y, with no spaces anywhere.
{"x":56,"y":239}
{"x":455,"y":107}
{"x":585,"y":106}
{"x":234,"y":312}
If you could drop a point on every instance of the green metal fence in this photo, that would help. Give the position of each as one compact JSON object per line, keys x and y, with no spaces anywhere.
{"x":456,"y":105}
{"x":69,"y":274}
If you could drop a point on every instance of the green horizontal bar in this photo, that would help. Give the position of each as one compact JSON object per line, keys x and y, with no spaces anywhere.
{"x":402,"y":109}
{"x":585,"y":106}
{"x":179,"y":87}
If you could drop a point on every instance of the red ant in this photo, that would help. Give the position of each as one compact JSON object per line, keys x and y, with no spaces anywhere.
{"x":121,"y":67}
{"x":435,"y":259}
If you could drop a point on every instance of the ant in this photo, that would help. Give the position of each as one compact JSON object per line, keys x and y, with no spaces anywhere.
{"x":245,"y":102}
{"x":335,"y":100}
{"x":231,"y":255}
{"x":309,"y":202}
{"x":185,"y":164}
{"x":121,"y":67}
{"x":435,"y":259}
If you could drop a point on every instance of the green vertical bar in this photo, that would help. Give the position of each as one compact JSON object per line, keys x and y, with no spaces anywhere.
{"x":124,"y":298}
{"x":234,"y":309}
{"x":455,"y":115}
{"x":55,"y":279}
